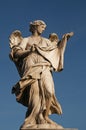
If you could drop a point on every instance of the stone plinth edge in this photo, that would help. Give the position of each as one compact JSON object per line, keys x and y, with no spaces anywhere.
{"x":51,"y":129}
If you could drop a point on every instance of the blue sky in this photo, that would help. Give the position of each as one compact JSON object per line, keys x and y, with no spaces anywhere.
{"x":61,"y":16}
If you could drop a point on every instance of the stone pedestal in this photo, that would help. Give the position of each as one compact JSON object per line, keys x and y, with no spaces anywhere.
{"x":52,"y":129}
{"x":46,"y":127}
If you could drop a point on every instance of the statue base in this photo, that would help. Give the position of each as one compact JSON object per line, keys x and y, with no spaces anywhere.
{"x":46,"y":127}
{"x":49,"y":129}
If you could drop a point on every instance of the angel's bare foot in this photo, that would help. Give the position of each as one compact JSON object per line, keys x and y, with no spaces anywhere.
{"x":41,"y":119}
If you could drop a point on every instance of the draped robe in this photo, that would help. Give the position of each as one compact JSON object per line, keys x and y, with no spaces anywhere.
{"x":38,"y":66}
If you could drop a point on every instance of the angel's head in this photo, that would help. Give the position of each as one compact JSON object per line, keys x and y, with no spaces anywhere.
{"x":15,"y":38}
{"x":37,"y":25}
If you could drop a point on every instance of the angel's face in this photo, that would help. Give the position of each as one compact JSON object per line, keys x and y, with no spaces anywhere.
{"x":40,"y":29}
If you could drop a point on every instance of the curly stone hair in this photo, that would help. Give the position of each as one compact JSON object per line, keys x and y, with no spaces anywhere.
{"x":33,"y":25}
